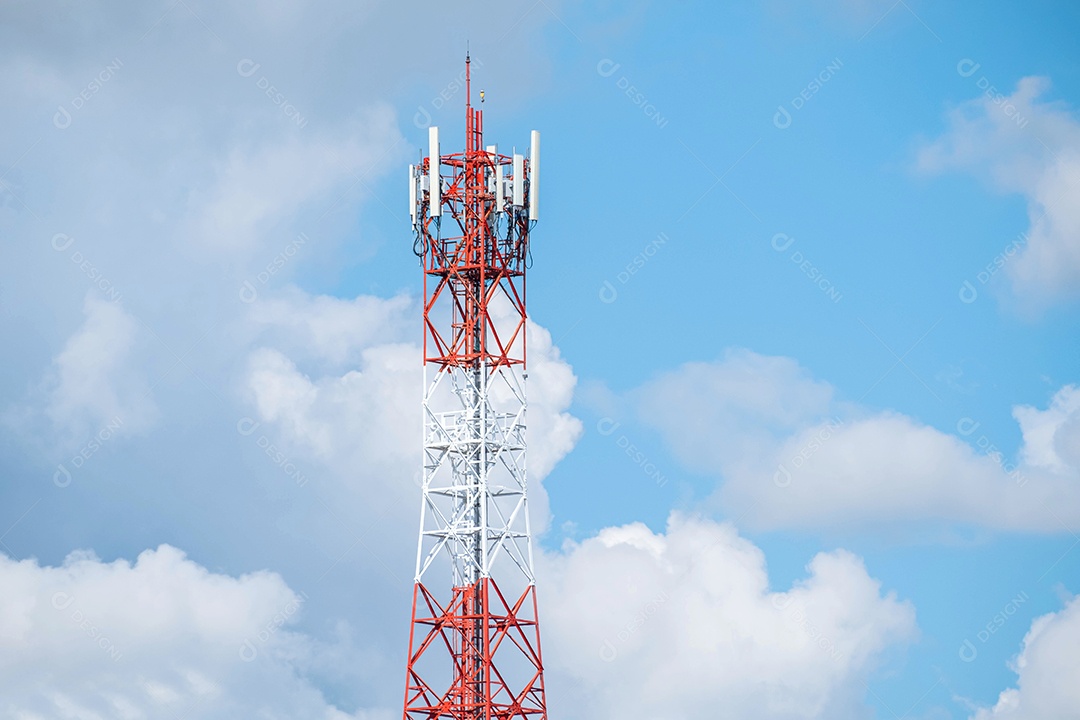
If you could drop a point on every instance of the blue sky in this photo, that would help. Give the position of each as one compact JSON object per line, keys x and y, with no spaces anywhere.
{"x":843,"y":181}
{"x":853,"y":221}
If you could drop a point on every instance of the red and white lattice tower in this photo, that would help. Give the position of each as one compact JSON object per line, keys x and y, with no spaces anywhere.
{"x":474,"y":644}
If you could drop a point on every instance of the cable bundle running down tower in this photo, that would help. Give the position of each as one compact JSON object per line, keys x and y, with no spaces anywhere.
{"x":474,"y":652}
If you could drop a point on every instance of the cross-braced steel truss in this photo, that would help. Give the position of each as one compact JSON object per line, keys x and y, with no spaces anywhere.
{"x":476,"y":654}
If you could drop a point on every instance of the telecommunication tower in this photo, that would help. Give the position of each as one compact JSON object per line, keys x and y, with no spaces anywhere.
{"x":474,"y":642}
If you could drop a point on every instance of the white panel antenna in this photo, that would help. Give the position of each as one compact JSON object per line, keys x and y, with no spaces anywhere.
{"x":493,"y":155}
{"x":435,"y":171}
{"x":519,"y":180}
{"x":500,"y":189}
{"x":534,"y":176}
{"x":412,"y":194}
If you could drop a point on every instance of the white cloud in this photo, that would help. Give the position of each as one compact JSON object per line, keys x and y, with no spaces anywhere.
{"x":1047,"y":669}
{"x":740,"y":404}
{"x":334,"y":377}
{"x":93,"y":382}
{"x":1023,"y":144}
{"x":636,"y":624}
{"x":258,"y":189}
{"x":208,"y":180}
{"x":889,"y":468}
{"x":790,"y":456}
{"x":365,"y":422}
{"x":158,"y":639}
{"x":223,"y":180}
{"x":553,"y":431}
{"x":669,"y":625}
{"x":334,"y":330}
{"x":1052,"y":436}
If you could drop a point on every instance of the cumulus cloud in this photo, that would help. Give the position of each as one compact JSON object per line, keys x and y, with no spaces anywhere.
{"x":553,"y":431}
{"x":368,"y":415}
{"x":94,"y":384}
{"x":1052,"y":436}
{"x":792,"y":456}
{"x":667,"y":625}
{"x":93,"y":378}
{"x":257,"y":189}
{"x":366,"y":419}
{"x":763,"y":398}
{"x":1026,"y":145}
{"x":636,"y":624}
{"x":335,"y":377}
{"x":333,"y":330}
{"x":183,"y":180}
{"x":158,"y":638}
{"x":1046,"y":669}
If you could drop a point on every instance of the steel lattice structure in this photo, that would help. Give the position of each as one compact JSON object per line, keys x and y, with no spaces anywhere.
{"x":474,"y":652}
